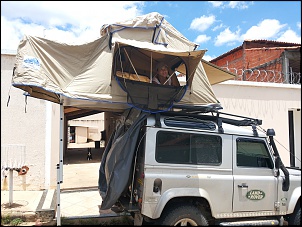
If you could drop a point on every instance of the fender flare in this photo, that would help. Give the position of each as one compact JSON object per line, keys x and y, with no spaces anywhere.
{"x":179,"y":192}
{"x":293,"y":200}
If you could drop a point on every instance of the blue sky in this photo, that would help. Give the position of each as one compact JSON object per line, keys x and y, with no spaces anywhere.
{"x":217,"y":26}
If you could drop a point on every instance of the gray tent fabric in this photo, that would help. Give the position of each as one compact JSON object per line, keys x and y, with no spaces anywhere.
{"x":116,"y":164}
{"x":151,"y":97}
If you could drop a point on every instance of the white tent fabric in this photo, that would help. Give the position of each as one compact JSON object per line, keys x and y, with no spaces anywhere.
{"x":84,"y":75}
{"x":148,"y":28}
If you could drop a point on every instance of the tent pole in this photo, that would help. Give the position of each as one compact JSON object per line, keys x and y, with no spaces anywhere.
{"x":60,"y":165}
{"x":132,"y":65}
{"x":151,"y":68}
{"x":61,"y":139}
{"x":58,"y":196}
{"x":11,"y":181}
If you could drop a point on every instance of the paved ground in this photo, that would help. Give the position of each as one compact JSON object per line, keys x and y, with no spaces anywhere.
{"x":78,"y":172}
{"x":78,"y":197}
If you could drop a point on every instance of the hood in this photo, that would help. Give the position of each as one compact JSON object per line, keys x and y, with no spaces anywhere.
{"x":294,"y":171}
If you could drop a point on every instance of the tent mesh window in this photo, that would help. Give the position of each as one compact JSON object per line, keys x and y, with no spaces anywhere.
{"x":134,"y":68}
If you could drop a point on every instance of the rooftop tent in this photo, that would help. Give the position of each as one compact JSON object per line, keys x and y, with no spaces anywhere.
{"x":94,"y":75}
{"x":134,"y":67}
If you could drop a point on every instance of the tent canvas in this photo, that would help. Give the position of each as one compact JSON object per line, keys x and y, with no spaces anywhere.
{"x":85,"y":76}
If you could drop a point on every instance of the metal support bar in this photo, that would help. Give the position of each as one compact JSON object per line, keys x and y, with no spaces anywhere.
{"x":11,"y":180}
{"x":60,"y":165}
{"x":58,"y":196}
{"x":61,"y":140}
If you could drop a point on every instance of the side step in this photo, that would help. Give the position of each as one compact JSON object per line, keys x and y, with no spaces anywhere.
{"x":267,"y":222}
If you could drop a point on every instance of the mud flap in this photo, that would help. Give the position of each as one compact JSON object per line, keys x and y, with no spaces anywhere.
{"x":138,"y":219}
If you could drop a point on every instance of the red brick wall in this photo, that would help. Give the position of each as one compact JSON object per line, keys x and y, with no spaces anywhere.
{"x":270,"y":61}
{"x":256,"y":57}
{"x":240,"y":60}
{"x":232,"y":61}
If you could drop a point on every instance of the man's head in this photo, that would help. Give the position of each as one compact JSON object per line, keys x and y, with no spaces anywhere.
{"x":161,"y":65}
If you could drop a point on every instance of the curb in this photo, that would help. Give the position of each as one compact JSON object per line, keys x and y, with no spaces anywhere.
{"x":48,"y":214}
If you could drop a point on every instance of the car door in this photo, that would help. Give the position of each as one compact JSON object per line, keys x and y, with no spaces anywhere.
{"x":255,"y":186}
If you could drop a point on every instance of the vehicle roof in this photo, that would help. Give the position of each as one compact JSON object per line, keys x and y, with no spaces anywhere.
{"x":187,"y":123}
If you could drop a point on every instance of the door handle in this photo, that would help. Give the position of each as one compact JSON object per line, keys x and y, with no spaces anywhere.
{"x":243,"y":186}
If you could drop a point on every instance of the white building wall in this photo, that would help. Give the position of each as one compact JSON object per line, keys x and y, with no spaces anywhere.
{"x":52,"y":152}
{"x":297,"y":132}
{"x":28,"y":125}
{"x":94,"y":123}
{"x":81,"y":134}
{"x":269,"y":102}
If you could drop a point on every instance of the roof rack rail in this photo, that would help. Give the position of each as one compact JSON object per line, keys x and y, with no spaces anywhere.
{"x":200,"y":112}
{"x":195,"y":111}
{"x":198,"y":109}
{"x":245,"y":121}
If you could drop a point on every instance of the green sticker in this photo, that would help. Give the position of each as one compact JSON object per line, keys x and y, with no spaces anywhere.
{"x":255,"y":195}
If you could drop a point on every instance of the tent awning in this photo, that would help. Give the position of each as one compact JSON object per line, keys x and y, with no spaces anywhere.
{"x":216,"y":74}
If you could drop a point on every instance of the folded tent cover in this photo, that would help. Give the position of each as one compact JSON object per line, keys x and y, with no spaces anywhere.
{"x":114,"y":72}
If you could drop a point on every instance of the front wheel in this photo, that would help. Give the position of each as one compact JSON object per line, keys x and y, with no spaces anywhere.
{"x":183,"y":216}
{"x":295,"y":218}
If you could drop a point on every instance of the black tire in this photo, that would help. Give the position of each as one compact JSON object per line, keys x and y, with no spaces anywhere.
{"x":295,"y":218}
{"x":183,"y":216}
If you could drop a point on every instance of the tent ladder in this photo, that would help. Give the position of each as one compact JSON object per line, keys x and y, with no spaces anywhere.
{"x":60,"y":165}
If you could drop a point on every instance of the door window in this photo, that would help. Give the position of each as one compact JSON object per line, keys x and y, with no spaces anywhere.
{"x":186,"y":148}
{"x":253,"y":153}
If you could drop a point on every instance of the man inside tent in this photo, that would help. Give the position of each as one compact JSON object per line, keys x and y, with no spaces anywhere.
{"x":162,"y":76}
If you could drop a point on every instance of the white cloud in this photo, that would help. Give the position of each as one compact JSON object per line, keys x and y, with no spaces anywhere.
{"x":266,"y":29}
{"x":239,"y":4}
{"x":227,"y":37}
{"x":232,"y":4}
{"x":51,"y":19}
{"x":299,"y":24}
{"x":218,"y":27}
{"x":208,"y":57}
{"x":202,"y":39}
{"x":202,"y":23}
{"x":216,"y":3}
{"x":289,"y":36}
{"x":270,"y":29}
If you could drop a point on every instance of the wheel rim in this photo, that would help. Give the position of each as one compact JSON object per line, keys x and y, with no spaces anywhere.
{"x":186,"y":222}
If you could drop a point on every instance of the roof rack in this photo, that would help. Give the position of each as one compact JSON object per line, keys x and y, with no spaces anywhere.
{"x":197,"y":109}
{"x":199,"y":112}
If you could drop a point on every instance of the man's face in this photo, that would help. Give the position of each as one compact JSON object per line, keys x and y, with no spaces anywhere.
{"x":163,"y":71}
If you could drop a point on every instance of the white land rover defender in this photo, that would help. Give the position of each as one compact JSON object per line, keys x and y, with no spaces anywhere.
{"x":196,"y":167}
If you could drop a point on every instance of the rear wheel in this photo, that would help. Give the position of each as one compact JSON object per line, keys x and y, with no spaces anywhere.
{"x":186,"y":215}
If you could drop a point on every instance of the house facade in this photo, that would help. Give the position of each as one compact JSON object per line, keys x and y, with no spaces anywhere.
{"x":263,"y":61}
